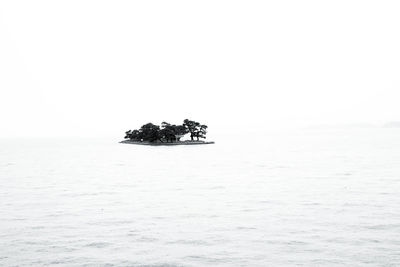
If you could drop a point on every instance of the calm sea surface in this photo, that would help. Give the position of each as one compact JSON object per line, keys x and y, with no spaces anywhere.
{"x":304,"y":198}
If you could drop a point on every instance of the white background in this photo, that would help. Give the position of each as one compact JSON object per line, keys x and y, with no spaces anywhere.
{"x":101,"y":67}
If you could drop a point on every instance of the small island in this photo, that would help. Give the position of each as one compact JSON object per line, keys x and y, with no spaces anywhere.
{"x":168,"y":134}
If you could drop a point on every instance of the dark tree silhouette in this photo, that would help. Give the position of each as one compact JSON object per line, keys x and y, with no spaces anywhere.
{"x":149,"y":132}
{"x":128,"y":134}
{"x":172,"y":132}
{"x":167,"y":132}
{"x":192,"y":127}
{"x":201,"y":132}
{"x":135,"y":135}
{"x":180,"y":131}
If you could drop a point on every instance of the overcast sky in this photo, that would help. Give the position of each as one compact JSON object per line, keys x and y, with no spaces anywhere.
{"x":101,"y":67}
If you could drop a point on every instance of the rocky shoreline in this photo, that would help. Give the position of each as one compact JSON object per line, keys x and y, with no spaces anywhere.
{"x":180,"y":143}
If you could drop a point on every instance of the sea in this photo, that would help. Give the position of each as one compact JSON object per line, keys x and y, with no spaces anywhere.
{"x":309,"y":197}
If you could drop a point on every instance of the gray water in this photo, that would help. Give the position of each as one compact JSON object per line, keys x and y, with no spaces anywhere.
{"x":302,"y":198}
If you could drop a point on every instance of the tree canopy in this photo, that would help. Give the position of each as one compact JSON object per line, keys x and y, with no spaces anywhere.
{"x":167,"y":132}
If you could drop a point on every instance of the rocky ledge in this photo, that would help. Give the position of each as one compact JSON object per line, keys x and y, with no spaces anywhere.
{"x":180,"y":143}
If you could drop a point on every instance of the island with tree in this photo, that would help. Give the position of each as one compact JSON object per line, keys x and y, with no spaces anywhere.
{"x":168,"y":134}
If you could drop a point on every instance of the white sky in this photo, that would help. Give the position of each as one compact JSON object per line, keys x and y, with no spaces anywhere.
{"x":102,"y":67}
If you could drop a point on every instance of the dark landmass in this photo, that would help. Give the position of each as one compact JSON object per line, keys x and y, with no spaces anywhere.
{"x":168,"y":134}
{"x":179,"y":143}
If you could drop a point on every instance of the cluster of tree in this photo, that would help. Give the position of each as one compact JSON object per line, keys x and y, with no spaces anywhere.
{"x":167,"y":132}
